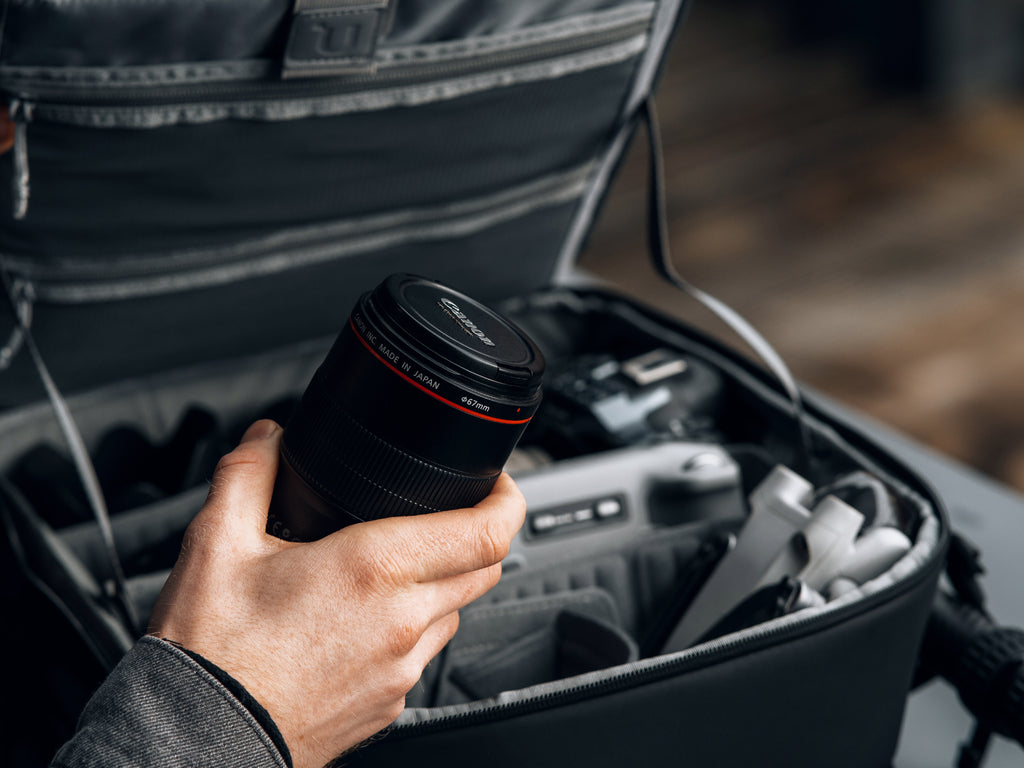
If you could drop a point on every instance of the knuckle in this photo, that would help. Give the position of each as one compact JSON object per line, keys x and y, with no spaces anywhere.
{"x":374,"y":567}
{"x":491,"y":576}
{"x":223,"y":464}
{"x":360,"y":559}
{"x":403,"y":678}
{"x":393,"y":710}
{"x":381,"y":573}
{"x":405,"y":632}
{"x":198,"y":539}
{"x":494,"y":540}
{"x":481,"y":582}
{"x":451,"y":626}
{"x":408,"y":678}
{"x":361,"y":567}
{"x":242,"y":456}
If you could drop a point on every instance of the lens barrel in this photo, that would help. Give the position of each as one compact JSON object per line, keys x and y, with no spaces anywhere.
{"x":415,"y":409}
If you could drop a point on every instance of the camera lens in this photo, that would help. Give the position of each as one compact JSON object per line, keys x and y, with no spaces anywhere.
{"x":415,"y":409}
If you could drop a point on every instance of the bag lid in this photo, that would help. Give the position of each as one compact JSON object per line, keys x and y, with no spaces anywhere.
{"x":172,"y":199}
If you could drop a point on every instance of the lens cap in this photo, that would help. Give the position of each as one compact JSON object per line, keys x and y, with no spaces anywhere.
{"x":456,"y":329}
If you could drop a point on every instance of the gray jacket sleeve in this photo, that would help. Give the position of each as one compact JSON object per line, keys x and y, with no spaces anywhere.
{"x":159,"y":707}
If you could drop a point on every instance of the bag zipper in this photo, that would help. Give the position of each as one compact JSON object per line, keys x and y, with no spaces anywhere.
{"x":53,"y":100}
{"x":706,"y":654}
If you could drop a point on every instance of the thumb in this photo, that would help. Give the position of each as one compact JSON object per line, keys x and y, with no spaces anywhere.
{"x":244,"y":482}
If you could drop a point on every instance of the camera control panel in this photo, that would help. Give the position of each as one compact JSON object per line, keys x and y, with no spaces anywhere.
{"x":601,"y":501}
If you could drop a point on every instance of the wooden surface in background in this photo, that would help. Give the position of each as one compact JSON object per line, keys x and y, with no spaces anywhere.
{"x":876,"y":241}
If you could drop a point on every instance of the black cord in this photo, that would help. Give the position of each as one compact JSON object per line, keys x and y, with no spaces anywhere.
{"x":658,"y":237}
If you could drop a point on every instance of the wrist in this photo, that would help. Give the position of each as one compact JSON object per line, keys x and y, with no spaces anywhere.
{"x":246,"y":699}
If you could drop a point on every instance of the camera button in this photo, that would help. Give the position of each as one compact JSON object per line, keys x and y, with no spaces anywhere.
{"x":608,"y":508}
{"x":543,"y":523}
{"x":583,"y":515}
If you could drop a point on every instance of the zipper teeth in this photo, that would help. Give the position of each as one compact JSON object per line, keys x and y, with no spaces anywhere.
{"x":399,"y":74}
{"x":690,"y":660}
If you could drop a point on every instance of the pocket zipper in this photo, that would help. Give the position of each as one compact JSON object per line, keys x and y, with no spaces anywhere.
{"x":54,"y":100}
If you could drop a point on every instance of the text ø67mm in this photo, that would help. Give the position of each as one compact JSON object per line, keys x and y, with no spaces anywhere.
{"x":415,"y":409}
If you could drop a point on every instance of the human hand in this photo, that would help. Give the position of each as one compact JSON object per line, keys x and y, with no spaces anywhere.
{"x":329,"y":635}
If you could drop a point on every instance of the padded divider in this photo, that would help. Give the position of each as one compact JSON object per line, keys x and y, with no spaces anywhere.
{"x":541,"y":625}
{"x":144,"y":590}
{"x":609,"y":573}
{"x":660,"y":566}
{"x":59,"y":574}
{"x":571,"y":645}
{"x":519,"y":642}
{"x":147,"y":539}
{"x":234,"y":389}
{"x":640,"y":580}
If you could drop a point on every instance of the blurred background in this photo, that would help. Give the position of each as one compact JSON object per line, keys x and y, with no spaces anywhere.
{"x":850,"y":177}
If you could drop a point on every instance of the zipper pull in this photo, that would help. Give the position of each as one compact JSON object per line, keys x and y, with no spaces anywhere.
{"x":20,"y":113}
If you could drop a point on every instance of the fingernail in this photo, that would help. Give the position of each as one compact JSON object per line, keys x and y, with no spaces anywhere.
{"x":261,"y":430}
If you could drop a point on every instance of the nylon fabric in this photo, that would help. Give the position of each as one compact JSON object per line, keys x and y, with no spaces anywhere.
{"x":147,"y":712}
{"x":99,"y":194}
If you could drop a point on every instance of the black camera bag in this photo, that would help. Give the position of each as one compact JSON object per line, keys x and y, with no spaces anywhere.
{"x":195,"y":197}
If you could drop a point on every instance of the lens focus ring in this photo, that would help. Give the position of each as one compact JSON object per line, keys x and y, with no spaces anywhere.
{"x":388,"y":481}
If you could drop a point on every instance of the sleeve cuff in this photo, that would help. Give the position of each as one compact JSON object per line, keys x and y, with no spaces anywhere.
{"x":245,"y":698}
{"x":162,"y":706}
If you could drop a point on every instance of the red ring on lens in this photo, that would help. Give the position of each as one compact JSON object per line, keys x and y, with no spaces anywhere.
{"x":420,"y":387}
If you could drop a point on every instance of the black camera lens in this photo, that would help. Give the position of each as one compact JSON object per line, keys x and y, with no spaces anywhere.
{"x":415,"y":409}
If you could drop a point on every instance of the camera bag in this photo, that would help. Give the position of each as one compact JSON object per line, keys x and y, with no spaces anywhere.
{"x":195,"y":197}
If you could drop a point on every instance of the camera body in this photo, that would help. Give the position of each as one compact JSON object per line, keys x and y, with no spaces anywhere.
{"x":603,"y":501}
{"x":598,"y":401}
